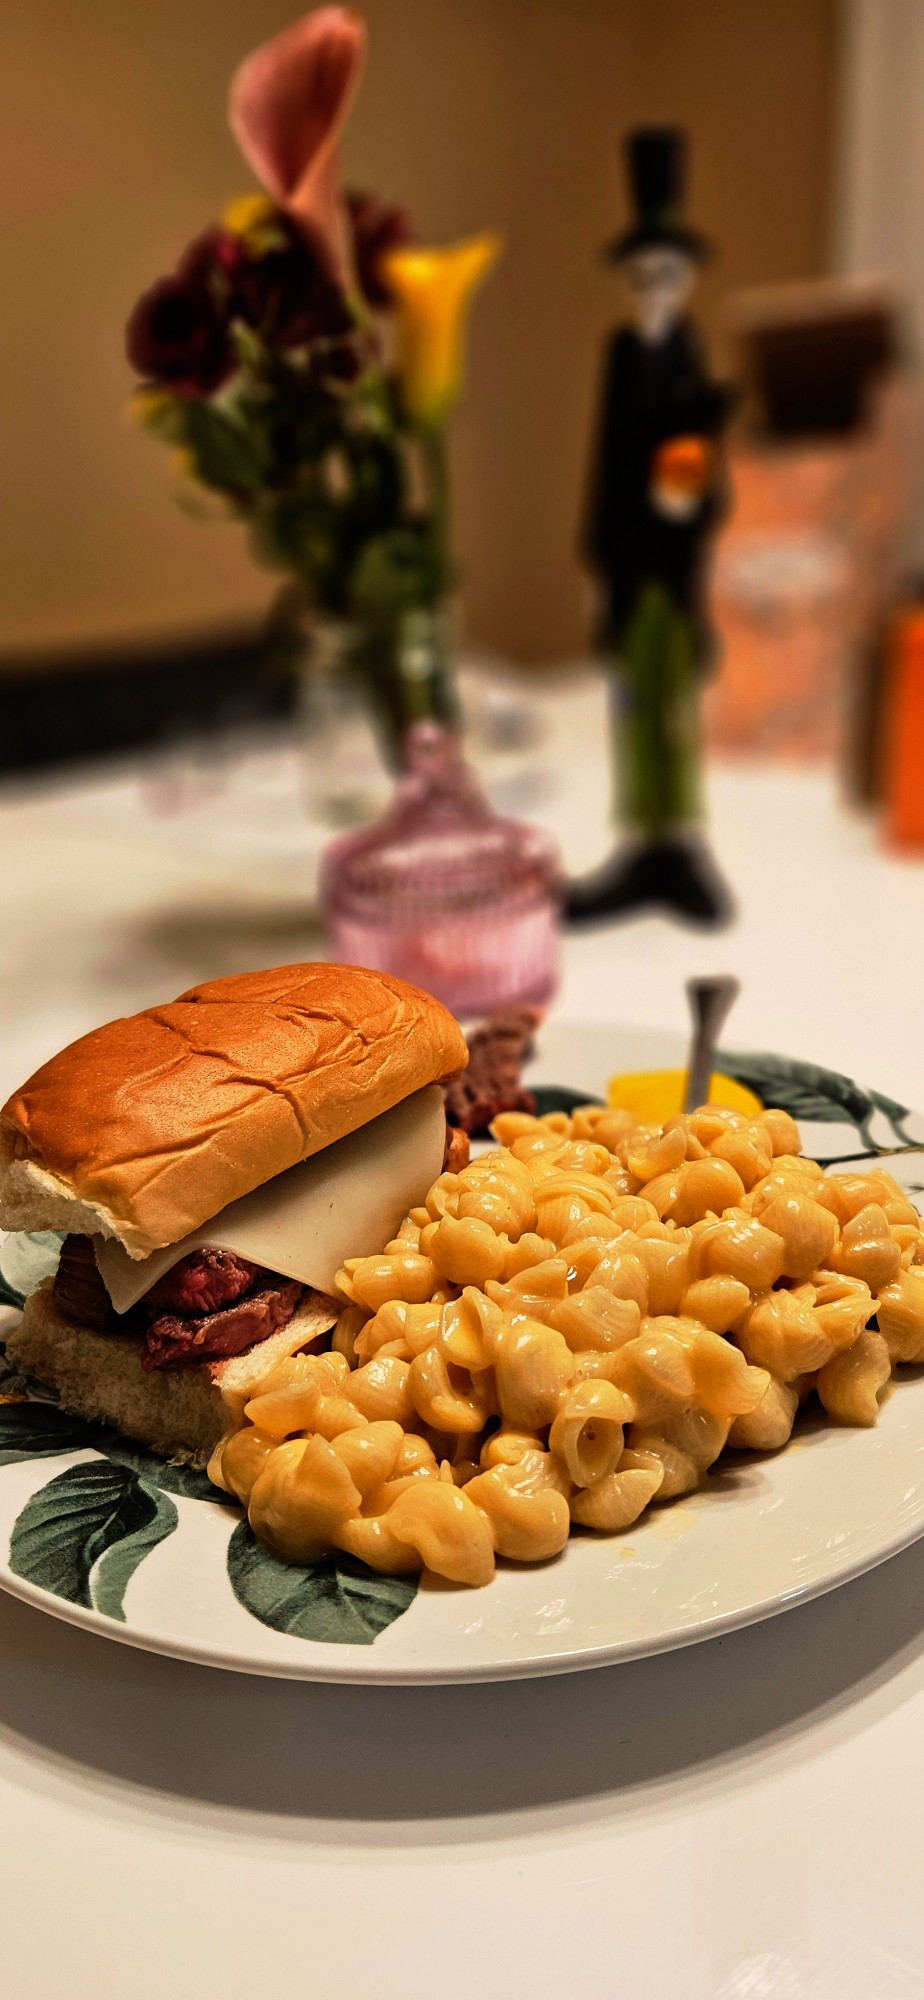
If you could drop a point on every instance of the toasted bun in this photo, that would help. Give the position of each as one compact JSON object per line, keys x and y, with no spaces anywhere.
{"x":145,"y":1128}
{"x":179,"y":1412}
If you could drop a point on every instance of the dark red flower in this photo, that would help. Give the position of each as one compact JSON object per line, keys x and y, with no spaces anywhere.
{"x":288,"y":296}
{"x":212,"y":259}
{"x":176,"y":336}
{"x":284,"y":291}
{"x":377,"y":228}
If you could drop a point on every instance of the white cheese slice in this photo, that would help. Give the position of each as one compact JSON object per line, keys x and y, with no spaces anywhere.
{"x":346,"y":1201}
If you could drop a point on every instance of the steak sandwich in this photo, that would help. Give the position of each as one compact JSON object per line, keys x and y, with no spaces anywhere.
{"x":211,"y":1163}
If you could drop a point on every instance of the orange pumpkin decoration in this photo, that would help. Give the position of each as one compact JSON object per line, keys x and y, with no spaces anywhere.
{"x":683,"y":465}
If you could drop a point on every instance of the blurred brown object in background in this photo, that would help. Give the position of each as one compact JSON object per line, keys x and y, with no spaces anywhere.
{"x":811,"y":353}
{"x":823,"y":472}
{"x":471,"y":109}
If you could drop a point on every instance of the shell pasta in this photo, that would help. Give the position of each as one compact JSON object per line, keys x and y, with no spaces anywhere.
{"x":572,"y":1328}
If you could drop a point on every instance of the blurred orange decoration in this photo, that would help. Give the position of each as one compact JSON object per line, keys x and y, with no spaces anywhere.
{"x":684,"y":464}
{"x":803,"y":570}
{"x":824,"y":472}
{"x":903,"y":762}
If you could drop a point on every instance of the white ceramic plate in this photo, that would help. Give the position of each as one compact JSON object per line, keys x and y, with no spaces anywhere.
{"x":99,"y":1532}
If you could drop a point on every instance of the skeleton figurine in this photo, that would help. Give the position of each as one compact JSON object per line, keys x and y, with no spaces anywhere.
{"x":657,"y":491}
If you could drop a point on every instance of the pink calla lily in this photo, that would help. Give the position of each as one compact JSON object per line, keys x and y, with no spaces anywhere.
{"x":288,"y":105}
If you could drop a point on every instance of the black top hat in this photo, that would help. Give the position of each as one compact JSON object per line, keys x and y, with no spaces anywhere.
{"x":656,"y":159}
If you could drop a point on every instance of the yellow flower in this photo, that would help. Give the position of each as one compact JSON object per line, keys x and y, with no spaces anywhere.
{"x":252,"y":217}
{"x":183,"y":464}
{"x":149,"y":408}
{"x":432,"y":289}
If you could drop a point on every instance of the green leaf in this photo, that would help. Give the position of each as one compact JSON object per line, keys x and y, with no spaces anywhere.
{"x":804,"y":1089}
{"x":67,"y":1526}
{"x":376,"y":486}
{"x":559,"y":1097}
{"x":336,"y":1603}
{"x":395,"y":572}
{"x":115,"y":1570}
{"x":895,"y":1113}
{"x":248,"y":346}
{"x":297,"y":532}
{"x":226,"y":453}
{"x":40,"y":1430}
{"x":183,"y":1479}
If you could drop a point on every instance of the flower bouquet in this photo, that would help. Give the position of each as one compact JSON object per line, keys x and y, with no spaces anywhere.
{"x":303,"y":361}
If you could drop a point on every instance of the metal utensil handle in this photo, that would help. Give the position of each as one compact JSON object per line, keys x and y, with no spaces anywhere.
{"x":710,"y":1003}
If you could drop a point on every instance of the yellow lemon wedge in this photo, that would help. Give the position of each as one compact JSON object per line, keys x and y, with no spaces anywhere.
{"x":654,"y":1095}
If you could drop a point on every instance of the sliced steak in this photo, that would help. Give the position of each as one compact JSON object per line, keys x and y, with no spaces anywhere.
{"x":497,"y":1051}
{"x":172,"y":1341}
{"x":78,"y":1290}
{"x":195,"y":1330}
{"x":203,"y":1282}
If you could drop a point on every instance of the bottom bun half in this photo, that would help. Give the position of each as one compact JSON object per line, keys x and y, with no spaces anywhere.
{"x":178,"y":1412}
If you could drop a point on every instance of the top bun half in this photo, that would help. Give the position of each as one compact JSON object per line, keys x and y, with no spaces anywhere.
{"x":146,"y":1128}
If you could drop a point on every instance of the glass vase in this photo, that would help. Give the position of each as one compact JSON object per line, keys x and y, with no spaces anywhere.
{"x":361,"y":688}
{"x":404,"y":666}
{"x":444,"y":892}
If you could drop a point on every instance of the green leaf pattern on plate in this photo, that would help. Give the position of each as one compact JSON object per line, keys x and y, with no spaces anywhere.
{"x":896,"y":1115}
{"x":116,"y":1568}
{"x":184,"y":1479}
{"x":335,"y":1603}
{"x":559,"y":1097}
{"x":809,"y":1091}
{"x":69,"y":1526}
{"x":83,"y":1535}
{"x":41,"y":1430}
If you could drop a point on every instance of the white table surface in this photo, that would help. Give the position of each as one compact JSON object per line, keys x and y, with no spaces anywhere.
{"x":739,"y":1821}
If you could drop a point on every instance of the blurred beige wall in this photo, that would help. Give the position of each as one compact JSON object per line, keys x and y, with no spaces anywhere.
{"x":113,"y":152}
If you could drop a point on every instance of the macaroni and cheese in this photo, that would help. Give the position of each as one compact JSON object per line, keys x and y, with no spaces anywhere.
{"x":573,"y":1327}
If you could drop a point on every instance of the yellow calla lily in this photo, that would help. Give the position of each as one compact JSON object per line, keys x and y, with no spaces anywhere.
{"x":431,"y":289}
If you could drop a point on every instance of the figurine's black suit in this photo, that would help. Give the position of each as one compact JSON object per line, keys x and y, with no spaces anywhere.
{"x":644,"y":540}
{"x":651,"y":392}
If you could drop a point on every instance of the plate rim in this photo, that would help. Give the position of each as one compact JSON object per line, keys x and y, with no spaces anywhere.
{"x":537,"y":1666}
{"x":371,"y":1669}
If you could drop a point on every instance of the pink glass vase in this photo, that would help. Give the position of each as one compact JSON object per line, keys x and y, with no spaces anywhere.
{"x":443,"y":892}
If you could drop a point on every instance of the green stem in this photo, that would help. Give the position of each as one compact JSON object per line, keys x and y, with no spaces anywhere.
{"x":436,"y":462}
